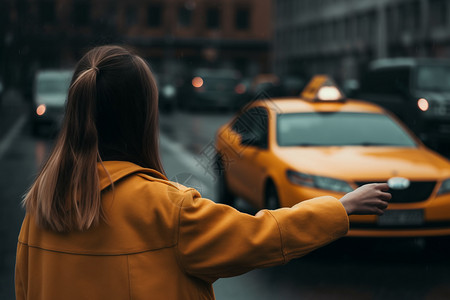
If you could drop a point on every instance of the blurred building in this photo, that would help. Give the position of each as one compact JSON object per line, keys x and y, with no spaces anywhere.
{"x":171,"y":34}
{"x":340,"y":37}
{"x":212,"y":32}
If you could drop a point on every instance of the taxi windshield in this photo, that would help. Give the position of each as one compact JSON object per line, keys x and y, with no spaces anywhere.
{"x":340,"y":129}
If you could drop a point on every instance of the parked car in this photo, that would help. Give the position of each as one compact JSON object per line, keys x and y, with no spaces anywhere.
{"x":417,"y":90}
{"x":265,"y":86}
{"x":49,"y":98}
{"x":212,"y":89}
{"x":278,"y":152}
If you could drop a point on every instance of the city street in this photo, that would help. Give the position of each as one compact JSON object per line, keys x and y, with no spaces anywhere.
{"x":357,"y":91}
{"x":347,"y":269}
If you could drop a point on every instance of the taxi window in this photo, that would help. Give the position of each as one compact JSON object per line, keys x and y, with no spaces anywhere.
{"x":252,"y":125}
{"x":340,"y":129}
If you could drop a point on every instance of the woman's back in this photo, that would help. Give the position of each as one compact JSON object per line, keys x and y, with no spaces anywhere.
{"x":131,"y":256}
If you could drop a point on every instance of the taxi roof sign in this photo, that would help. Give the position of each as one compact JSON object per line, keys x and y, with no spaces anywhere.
{"x":322,"y":88}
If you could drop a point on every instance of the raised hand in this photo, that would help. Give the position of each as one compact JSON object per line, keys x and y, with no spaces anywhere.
{"x":369,"y":199}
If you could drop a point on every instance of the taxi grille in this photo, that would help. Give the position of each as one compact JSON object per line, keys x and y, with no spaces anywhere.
{"x":416,"y":192}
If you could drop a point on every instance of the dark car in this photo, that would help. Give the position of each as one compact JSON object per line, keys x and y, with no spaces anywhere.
{"x":212,"y":88}
{"x":416,"y":90}
{"x":265,"y":86}
{"x":49,"y":98}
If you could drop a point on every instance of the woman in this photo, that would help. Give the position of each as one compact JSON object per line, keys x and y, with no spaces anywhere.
{"x":103,"y":222}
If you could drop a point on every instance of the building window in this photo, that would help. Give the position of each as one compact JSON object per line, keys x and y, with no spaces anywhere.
{"x":372,"y":25}
{"x":349,"y":29}
{"x":212,"y":18}
{"x":315,"y":34}
{"x":341,"y":31}
{"x":298,"y":38}
{"x":131,"y":15}
{"x":416,"y":12}
{"x":81,"y":13}
{"x":438,"y":13}
{"x":362,"y":26}
{"x":47,"y":13}
{"x":184,"y":17}
{"x":154,"y":15}
{"x":242,"y":21}
{"x":392,"y":22}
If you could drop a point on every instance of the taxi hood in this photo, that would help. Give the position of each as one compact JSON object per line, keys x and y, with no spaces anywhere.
{"x":366,"y":163}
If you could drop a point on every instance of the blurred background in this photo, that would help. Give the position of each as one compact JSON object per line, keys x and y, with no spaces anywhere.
{"x":285,"y":37}
{"x":211,"y":58}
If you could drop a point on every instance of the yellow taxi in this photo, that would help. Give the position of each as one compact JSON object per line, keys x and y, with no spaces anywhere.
{"x":278,"y":152}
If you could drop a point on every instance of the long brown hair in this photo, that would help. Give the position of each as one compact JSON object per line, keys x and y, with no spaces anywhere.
{"x":111,"y":114}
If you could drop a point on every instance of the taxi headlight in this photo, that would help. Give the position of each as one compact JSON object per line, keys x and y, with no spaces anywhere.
{"x":445,"y":187}
{"x":320,"y":182}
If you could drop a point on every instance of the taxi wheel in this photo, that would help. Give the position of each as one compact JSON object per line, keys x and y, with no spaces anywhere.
{"x":271,"y":196}
{"x":224,"y":193}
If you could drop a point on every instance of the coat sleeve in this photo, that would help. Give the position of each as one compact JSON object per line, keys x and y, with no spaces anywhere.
{"x":215,"y":240}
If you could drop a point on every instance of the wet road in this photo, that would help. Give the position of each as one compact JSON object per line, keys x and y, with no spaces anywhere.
{"x":348,"y":269}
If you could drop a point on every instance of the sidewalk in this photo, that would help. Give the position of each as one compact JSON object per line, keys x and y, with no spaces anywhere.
{"x":12,"y":108}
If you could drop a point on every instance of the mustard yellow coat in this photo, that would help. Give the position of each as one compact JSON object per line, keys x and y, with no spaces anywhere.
{"x":163,"y":241}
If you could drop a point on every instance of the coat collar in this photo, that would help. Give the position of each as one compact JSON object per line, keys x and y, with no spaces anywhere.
{"x":112,"y":171}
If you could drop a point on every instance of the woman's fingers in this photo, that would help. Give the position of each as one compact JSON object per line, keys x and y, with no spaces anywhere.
{"x":379,"y":211}
{"x":382,"y":189}
{"x":385,"y":196}
{"x":368,"y":199}
{"x":383,"y":205}
{"x":383,"y":186}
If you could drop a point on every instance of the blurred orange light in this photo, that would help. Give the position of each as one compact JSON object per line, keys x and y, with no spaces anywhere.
{"x":197,"y":82}
{"x":423,"y":105}
{"x":40,"y":110}
{"x":240,"y":89}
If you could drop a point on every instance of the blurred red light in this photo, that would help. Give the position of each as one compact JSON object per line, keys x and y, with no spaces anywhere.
{"x":197,"y":82}
{"x":40,"y":110}
{"x":240,"y":89}
{"x":423,"y":104}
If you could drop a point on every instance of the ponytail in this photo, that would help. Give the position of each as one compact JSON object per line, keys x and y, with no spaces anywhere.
{"x":66,"y":193}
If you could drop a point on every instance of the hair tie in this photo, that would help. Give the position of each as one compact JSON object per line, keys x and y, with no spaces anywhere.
{"x":96,"y":69}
